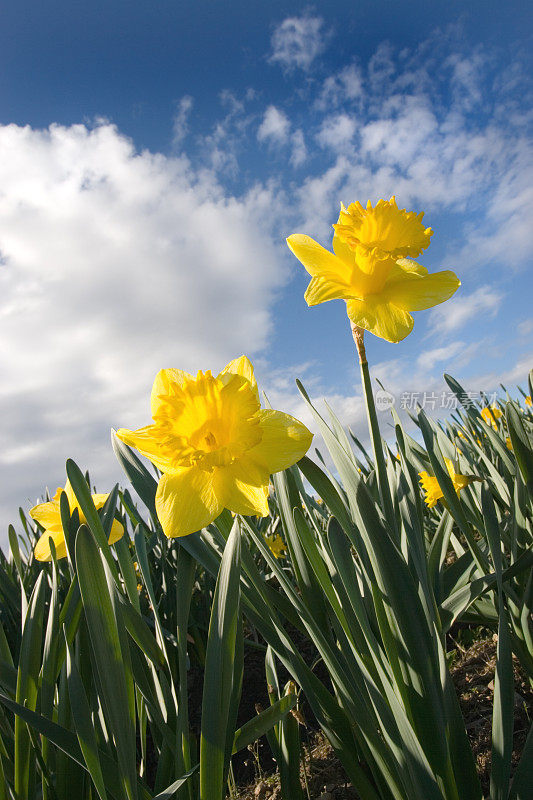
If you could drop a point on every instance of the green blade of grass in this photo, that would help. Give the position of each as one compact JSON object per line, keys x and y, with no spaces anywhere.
{"x":83,"y":496}
{"x":83,"y":722}
{"x":142,"y":481}
{"x":521,"y":445}
{"x":27,"y":687}
{"x":219,"y":671}
{"x":263,"y":722}
{"x":100,"y":615}
{"x":503,"y":708}
{"x":67,"y":742}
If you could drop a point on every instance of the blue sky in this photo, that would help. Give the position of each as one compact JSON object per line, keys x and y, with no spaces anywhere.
{"x":153,"y":158}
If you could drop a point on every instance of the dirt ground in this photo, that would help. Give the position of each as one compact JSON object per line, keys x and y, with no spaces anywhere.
{"x":473,"y":676}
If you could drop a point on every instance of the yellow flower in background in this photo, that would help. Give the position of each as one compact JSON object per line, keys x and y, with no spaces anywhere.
{"x":370,"y":268}
{"x":48,"y":515}
{"x":461,"y":435}
{"x":508,"y":443}
{"x":276,"y":545}
{"x":431,"y":487}
{"x":490,"y":415}
{"x":215,"y":445}
{"x":528,"y":401}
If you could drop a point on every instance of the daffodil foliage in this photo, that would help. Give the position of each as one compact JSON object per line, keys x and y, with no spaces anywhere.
{"x":215,"y":446}
{"x":371,"y":268}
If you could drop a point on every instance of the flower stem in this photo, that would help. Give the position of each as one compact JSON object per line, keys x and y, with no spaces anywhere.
{"x":373,"y":426}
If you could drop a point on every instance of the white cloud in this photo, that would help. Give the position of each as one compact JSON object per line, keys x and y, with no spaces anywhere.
{"x":336,"y":131}
{"x":298,"y":41}
{"x":525,"y":327}
{"x":180,"y":124}
{"x":467,"y":77}
{"x":299,"y":149}
{"x":430,"y":358}
{"x":220,"y":149}
{"x":461,"y":309}
{"x":407,"y":123}
{"x":347,"y":84}
{"x":275,"y":126}
{"x":381,"y":68}
{"x":115,"y":264}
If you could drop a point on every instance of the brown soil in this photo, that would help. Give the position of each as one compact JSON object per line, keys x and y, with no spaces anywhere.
{"x":473,"y":676}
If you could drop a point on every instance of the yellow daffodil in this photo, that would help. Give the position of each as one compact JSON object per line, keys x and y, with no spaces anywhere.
{"x":508,"y":443}
{"x":370,"y":268}
{"x":48,"y":515}
{"x":215,"y":445}
{"x":528,"y":401}
{"x":276,"y":545}
{"x":461,"y":435}
{"x":431,"y":487}
{"x":490,"y":415}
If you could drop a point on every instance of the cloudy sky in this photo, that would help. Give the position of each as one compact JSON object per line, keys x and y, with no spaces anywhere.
{"x":153,"y":159}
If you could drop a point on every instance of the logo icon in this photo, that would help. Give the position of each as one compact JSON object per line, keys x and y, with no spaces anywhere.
{"x":384,"y":400}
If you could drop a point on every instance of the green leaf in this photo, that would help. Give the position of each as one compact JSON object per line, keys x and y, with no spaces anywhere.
{"x":15,"y":552}
{"x":503,"y":708}
{"x":83,"y":496}
{"x":219,"y":671}
{"x":478,"y":421}
{"x":521,"y":445}
{"x":101,"y":617}
{"x":122,"y":549}
{"x":523,"y":777}
{"x":263,"y":722}
{"x":141,"y":633}
{"x":27,"y":686}
{"x":291,"y":753}
{"x":171,"y":790}
{"x":81,"y":714}
{"x":142,"y":481}
{"x":67,"y":742}
{"x":273,"y":735}
{"x":457,"y":603}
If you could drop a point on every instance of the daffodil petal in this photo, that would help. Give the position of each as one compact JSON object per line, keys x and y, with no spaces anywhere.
{"x":285,"y":440}
{"x":322,"y":289}
{"x":71,"y":497}
{"x":318,"y":261}
{"x":117,"y":532}
{"x":343,"y":250}
{"x":242,"y":366}
{"x":251,"y":470}
{"x":162,"y":385}
{"x":42,"y":551}
{"x":404,"y":265}
{"x":414,"y":292}
{"x":382,"y":318}
{"x":237,"y":494}
{"x":185,"y":501}
{"x":144,"y":441}
{"x":47,"y":514}
{"x":99,"y":500}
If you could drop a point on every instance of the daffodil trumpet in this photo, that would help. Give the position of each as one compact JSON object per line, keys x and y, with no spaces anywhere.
{"x":215,"y":446}
{"x":432,"y":489}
